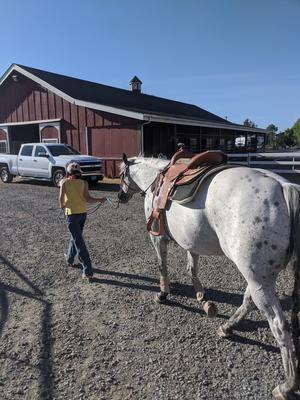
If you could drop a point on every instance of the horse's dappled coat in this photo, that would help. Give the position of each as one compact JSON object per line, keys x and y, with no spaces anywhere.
{"x":252,"y":217}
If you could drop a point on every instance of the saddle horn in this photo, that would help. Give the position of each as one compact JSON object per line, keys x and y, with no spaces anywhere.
{"x":181,"y":146}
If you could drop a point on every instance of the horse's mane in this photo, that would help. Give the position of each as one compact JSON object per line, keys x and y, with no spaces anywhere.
{"x":158,"y":163}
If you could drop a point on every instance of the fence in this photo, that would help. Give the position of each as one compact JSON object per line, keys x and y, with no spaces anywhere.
{"x":281,"y":163}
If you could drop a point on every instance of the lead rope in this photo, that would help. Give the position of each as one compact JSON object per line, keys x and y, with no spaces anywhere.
{"x":93,"y":209}
{"x":114,"y":204}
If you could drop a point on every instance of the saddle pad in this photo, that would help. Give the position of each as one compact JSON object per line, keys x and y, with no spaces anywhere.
{"x":185,"y":193}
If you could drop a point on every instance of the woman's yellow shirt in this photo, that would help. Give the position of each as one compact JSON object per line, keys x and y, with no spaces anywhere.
{"x":74,"y":198}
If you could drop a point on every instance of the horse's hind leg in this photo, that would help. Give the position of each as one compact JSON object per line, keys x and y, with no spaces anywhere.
{"x":227,"y":329}
{"x":264,"y":297}
{"x":161,"y":246}
{"x":192,"y":268}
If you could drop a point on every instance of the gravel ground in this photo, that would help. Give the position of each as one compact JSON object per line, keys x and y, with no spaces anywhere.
{"x":65,"y":339}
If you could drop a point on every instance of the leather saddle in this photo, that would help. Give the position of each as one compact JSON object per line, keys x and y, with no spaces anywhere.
{"x":180,"y":181}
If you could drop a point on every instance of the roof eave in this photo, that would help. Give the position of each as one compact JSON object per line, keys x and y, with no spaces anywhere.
{"x":207,"y":124}
{"x":109,"y":109}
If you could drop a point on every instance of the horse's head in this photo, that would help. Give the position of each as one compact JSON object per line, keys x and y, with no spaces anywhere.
{"x":128,"y":186}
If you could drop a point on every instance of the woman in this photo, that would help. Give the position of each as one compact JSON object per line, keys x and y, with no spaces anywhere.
{"x":73,"y":198}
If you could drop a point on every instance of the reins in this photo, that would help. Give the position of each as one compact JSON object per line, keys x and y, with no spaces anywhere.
{"x":93,"y":209}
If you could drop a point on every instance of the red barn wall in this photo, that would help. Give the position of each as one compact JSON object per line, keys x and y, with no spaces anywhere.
{"x":108,"y":135}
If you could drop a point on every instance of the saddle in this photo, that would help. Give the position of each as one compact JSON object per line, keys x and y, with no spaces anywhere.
{"x":180,"y":181}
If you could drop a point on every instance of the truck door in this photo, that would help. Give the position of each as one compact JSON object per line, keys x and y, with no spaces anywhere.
{"x":40,"y":162}
{"x":25,"y":164}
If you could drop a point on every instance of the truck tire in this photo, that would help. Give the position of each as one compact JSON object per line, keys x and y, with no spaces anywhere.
{"x":5,"y":175}
{"x":57,"y":176}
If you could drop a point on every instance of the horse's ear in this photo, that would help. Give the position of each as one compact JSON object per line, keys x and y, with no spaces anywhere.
{"x":125,"y":160}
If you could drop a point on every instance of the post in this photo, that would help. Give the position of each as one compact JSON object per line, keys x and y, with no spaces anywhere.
{"x":200,"y":129}
{"x":86,"y":140}
{"x":175,"y":138}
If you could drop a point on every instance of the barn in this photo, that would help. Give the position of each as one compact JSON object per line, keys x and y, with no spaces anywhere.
{"x":100,"y":120}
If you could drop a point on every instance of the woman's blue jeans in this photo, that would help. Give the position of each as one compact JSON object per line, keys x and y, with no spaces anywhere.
{"x":77,"y":245}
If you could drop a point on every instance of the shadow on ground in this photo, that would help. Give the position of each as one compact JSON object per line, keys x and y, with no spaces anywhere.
{"x":45,"y":364}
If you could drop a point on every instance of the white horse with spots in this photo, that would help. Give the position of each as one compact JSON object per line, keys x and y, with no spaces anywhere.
{"x":252,"y":217}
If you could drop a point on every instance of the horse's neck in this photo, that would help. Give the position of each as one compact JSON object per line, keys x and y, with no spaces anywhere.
{"x":146,"y":175}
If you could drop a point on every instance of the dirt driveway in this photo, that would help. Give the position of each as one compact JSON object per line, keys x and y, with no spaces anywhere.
{"x":63,"y":339}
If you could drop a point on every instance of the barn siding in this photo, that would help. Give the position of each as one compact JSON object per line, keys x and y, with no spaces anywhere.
{"x":37,"y":104}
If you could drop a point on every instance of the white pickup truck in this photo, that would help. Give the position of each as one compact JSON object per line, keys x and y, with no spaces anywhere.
{"x":47,"y":162}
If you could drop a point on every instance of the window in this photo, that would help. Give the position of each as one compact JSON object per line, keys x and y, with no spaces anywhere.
{"x":59,"y":150}
{"x":40,"y":151}
{"x":3,"y":146}
{"x":26,"y":151}
{"x":73,"y":150}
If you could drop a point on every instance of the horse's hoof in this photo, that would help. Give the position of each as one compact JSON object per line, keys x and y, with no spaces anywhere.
{"x":210,"y":309}
{"x":200,"y":295}
{"x":279,"y":394}
{"x":161,"y":297}
{"x":224,"y":333}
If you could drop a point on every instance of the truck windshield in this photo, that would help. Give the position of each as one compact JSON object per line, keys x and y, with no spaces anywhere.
{"x":60,"y":150}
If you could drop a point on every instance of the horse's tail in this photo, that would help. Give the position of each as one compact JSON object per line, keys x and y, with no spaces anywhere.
{"x":292,"y":198}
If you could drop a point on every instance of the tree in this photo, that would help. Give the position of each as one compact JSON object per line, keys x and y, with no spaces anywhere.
{"x":296,"y":130}
{"x":249,"y":123}
{"x":286,"y":139}
{"x":272,"y":128}
{"x":271,"y":132}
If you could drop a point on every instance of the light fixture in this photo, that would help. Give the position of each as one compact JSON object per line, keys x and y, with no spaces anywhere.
{"x":15,"y":78}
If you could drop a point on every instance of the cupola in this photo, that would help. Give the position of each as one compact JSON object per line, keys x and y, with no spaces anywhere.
{"x":135,"y":85}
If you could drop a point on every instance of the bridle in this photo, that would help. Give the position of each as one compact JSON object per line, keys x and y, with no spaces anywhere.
{"x":130,"y":190}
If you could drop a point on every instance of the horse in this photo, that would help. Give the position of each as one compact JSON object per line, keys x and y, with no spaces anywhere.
{"x":251,"y":216}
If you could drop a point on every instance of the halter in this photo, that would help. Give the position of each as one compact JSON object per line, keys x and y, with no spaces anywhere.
{"x":129,"y":189}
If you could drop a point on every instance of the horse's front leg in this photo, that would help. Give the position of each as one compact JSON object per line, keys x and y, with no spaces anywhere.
{"x":192,"y":269}
{"x":161,"y":246}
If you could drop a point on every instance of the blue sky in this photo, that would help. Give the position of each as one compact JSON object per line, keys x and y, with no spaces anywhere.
{"x":236,"y":58}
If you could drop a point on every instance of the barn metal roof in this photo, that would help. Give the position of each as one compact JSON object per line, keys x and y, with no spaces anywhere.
{"x":125,"y":102}
{"x":121,"y":98}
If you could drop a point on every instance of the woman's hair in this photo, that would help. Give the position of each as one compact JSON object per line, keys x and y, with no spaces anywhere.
{"x":74,"y":169}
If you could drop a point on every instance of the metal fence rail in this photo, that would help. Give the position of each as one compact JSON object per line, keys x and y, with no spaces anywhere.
{"x":281,"y":163}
